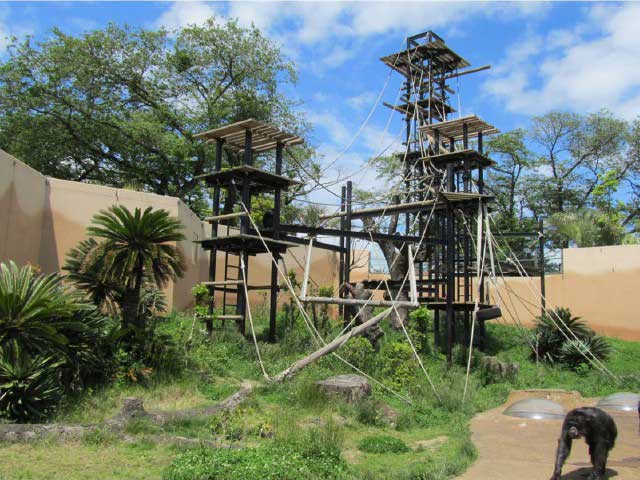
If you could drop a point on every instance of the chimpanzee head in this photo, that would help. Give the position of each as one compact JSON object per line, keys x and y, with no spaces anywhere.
{"x":574,"y":433}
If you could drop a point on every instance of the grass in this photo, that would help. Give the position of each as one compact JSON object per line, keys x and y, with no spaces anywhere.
{"x":82,"y":461}
{"x":298,"y":418}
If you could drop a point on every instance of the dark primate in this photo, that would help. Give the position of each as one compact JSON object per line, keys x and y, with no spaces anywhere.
{"x":599,"y":431}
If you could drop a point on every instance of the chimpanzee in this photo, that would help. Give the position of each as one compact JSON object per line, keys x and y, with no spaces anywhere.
{"x":599,"y":431}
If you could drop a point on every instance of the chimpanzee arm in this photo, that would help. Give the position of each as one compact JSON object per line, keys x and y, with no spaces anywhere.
{"x":563,"y":451}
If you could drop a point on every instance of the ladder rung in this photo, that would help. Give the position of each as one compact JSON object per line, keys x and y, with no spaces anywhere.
{"x":226,"y":216}
{"x":222,"y":283}
{"x":229,"y":317}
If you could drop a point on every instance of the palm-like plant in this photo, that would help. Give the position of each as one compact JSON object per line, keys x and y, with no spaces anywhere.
{"x":136,"y":247}
{"x":29,"y":387}
{"x":35,"y":310}
{"x":87,"y":276}
{"x":562,"y":337}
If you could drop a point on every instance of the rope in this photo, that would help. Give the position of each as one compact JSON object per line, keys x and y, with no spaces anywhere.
{"x":253,"y":332}
{"x":314,"y":332}
{"x":596,"y":362}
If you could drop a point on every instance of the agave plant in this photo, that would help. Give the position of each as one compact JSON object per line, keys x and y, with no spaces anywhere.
{"x":136,"y":247}
{"x":29,"y":385}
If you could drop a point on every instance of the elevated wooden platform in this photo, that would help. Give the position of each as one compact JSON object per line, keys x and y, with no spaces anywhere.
{"x":259,"y":180}
{"x":455,"y":128}
{"x":404,"y":61}
{"x":437,"y":107}
{"x":458,"y":158}
{"x":264,"y":136}
{"x":252,"y":244}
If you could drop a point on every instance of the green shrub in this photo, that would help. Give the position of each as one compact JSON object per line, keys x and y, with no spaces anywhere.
{"x":323,"y":441}
{"x":565,"y":339}
{"x":99,"y":437}
{"x":382,"y":444}
{"x":29,"y":385}
{"x":267,"y":462}
{"x":57,"y":340}
{"x":397,"y":365}
{"x":359,"y":352}
{"x":368,"y":412}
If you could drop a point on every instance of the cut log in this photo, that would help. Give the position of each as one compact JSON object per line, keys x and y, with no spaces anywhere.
{"x":351,"y":388}
{"x":330,"y":347}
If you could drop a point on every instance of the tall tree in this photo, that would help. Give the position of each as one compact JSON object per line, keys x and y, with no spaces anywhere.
{"x":575,"y":152}
{"x":120,"y":106}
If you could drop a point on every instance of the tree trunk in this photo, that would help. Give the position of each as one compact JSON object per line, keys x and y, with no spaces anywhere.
{"x":330,"y":347}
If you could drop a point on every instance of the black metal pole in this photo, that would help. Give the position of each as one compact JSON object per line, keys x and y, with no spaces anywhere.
{"x":450,"y":268}
{"x":277,"y":199}
{"x":347,"y":256}
{"x":214,"y":233}
{"x":244,"y":230}
{"x":543,"y":298}
{"x":343,"y":209}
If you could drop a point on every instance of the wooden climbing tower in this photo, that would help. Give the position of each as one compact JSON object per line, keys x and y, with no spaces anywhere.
{"x":239,"y":183}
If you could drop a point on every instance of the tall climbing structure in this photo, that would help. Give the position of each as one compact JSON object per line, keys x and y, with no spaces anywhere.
{"x":442,"y":199}
{"x":244,"y":140}
{"x":443,"y":163}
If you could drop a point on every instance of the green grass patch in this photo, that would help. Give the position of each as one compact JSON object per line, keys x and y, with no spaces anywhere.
{"x":382,"y":444}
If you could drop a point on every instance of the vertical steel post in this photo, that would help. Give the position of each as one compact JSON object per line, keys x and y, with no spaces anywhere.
{"x":543,"y":297}
{"x":347,"y":256}
{"x":214,"y":233}
{"x":244,"y":229}
{"x":277,"y":199}
{"x":343,"y":209}
{"x":450,"y":268}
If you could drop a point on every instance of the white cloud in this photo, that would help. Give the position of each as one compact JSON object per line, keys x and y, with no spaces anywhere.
{"x":181,"y":14}
{"x":595,"y":65}
{"x":338,"y":31}
{"x":362,"y":100}
{"x":9,"y":29}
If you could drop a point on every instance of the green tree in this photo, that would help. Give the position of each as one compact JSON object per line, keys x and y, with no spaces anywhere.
{"x":575,"y":152}
{"x":120,"y":106}
{"x":136,"y":246}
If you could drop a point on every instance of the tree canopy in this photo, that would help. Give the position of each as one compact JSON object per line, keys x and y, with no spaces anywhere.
{"x":120,"y":106}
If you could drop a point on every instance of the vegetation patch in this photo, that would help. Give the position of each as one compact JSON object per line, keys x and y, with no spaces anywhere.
{"x":382,"y":444}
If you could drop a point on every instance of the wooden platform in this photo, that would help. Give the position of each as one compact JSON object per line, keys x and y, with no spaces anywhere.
{"x":259,"y":180}
{"x":458,"y":158}
{"x":455,"y":128}
{"x":252,"y":244}
{"x":437,"y":107}
{"x":457,"y":306}
{"x":437,"y":51}
{"x":264,"y":136}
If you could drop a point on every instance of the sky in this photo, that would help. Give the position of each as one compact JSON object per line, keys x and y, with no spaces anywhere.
{"x":579,"y":57}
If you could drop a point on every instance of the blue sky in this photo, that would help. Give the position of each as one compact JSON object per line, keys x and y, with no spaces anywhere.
{"x":574,"y":56}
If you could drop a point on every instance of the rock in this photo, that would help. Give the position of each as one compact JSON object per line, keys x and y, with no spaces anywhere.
{"x":432,"y":443}
{"x":349,"y":387}
{"x":132,"y":408}
{"x":498,"y":370}
{"x":388,"y":415}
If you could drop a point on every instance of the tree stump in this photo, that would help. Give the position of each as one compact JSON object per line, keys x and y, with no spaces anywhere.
{"x":351,"y":388}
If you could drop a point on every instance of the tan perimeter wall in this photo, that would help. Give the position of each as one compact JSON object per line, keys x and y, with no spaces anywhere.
{"x":42,"y":218}
{"x":599,"y":284}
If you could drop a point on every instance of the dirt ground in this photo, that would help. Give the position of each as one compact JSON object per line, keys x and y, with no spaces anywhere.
{"x":516,"y":448}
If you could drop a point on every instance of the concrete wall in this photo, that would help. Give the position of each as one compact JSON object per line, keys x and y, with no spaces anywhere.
{"x":42,"y":218}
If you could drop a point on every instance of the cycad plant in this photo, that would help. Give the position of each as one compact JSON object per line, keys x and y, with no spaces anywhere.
{"x":135,"y":247}
{"x":50,"y":341}
{"x":564,"y":338}
{"x":29,"y":385}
